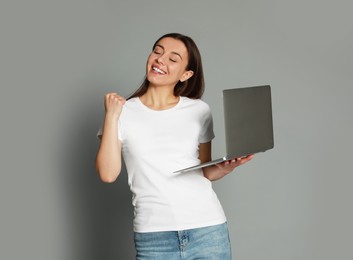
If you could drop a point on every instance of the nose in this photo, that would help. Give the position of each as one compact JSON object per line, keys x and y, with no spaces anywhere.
{"x":160,"y":59}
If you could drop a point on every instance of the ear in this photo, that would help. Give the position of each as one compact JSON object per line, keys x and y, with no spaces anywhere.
{"x":186,"y":75}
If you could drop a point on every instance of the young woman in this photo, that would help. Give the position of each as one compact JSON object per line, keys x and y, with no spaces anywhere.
{"x":163,"y":127}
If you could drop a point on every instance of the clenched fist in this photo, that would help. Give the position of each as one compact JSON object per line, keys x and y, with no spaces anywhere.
{"x":113,"y":104}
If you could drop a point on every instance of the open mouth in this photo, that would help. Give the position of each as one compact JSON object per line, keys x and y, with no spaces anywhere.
{"x":158,"y":70}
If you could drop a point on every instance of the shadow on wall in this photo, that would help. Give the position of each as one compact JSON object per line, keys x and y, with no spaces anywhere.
{"x":98,"y":215}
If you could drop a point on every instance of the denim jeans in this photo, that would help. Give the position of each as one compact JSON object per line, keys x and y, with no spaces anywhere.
{"x":210,"y":243}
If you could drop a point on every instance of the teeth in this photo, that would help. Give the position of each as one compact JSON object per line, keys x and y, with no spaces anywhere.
{"x":158,"y":70}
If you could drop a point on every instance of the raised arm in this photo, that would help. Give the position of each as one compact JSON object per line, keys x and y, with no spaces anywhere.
{"x":108,"y":160}
{"x":218,"y":171}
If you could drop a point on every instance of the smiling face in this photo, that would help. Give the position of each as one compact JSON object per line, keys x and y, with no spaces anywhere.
{"x":167,"y":63}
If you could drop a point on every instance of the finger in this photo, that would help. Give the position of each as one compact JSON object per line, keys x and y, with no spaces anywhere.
{"x":122,"y":99}
{"x":242,"y":160}
{"x":222,"y":164}
{"x":114,"y":94}
{"x":114,"y":97}
{"x":248,"y":157}
{"x":110,"y":94}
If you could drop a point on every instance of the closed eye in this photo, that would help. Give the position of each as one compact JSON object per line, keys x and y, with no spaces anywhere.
{"x":158,"y":50}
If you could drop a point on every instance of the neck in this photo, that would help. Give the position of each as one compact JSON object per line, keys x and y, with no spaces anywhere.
{"x":159,"y":98}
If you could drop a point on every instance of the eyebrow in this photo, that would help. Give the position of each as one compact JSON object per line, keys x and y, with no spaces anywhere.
{"x":172,"y":51}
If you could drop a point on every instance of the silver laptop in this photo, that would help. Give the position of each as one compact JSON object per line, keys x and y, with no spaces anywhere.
{"x":248,"y":123}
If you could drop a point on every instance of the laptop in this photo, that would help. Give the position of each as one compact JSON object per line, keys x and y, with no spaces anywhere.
{"x":248,"y":123}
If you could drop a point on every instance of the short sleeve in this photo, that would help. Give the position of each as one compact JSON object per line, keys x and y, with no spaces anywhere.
{"x":206,"y":133}
{"x":99,"y":133}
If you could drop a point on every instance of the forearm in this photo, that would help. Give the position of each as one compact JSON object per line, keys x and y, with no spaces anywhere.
{"x":108,"y":161}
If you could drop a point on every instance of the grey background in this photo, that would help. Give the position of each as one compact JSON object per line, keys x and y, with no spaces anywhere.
{"x":59,"y":58}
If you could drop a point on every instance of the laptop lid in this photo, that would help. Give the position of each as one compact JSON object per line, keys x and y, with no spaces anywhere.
{"x":247,"y":122}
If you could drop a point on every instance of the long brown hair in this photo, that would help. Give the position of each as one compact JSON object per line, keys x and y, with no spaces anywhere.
{"x":194,"y":86}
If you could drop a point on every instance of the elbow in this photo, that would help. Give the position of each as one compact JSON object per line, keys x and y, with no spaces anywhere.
{"x":107,"y":176}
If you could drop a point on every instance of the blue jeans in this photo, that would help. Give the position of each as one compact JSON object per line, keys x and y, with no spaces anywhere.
{"x":210,"y":243}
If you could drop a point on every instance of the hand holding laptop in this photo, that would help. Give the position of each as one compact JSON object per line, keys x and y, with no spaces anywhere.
{"x":224,"y":168}
{"x":231,"y":164}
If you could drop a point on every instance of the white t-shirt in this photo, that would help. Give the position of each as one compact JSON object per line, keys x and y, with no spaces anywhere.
{"x":154,"y":145}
